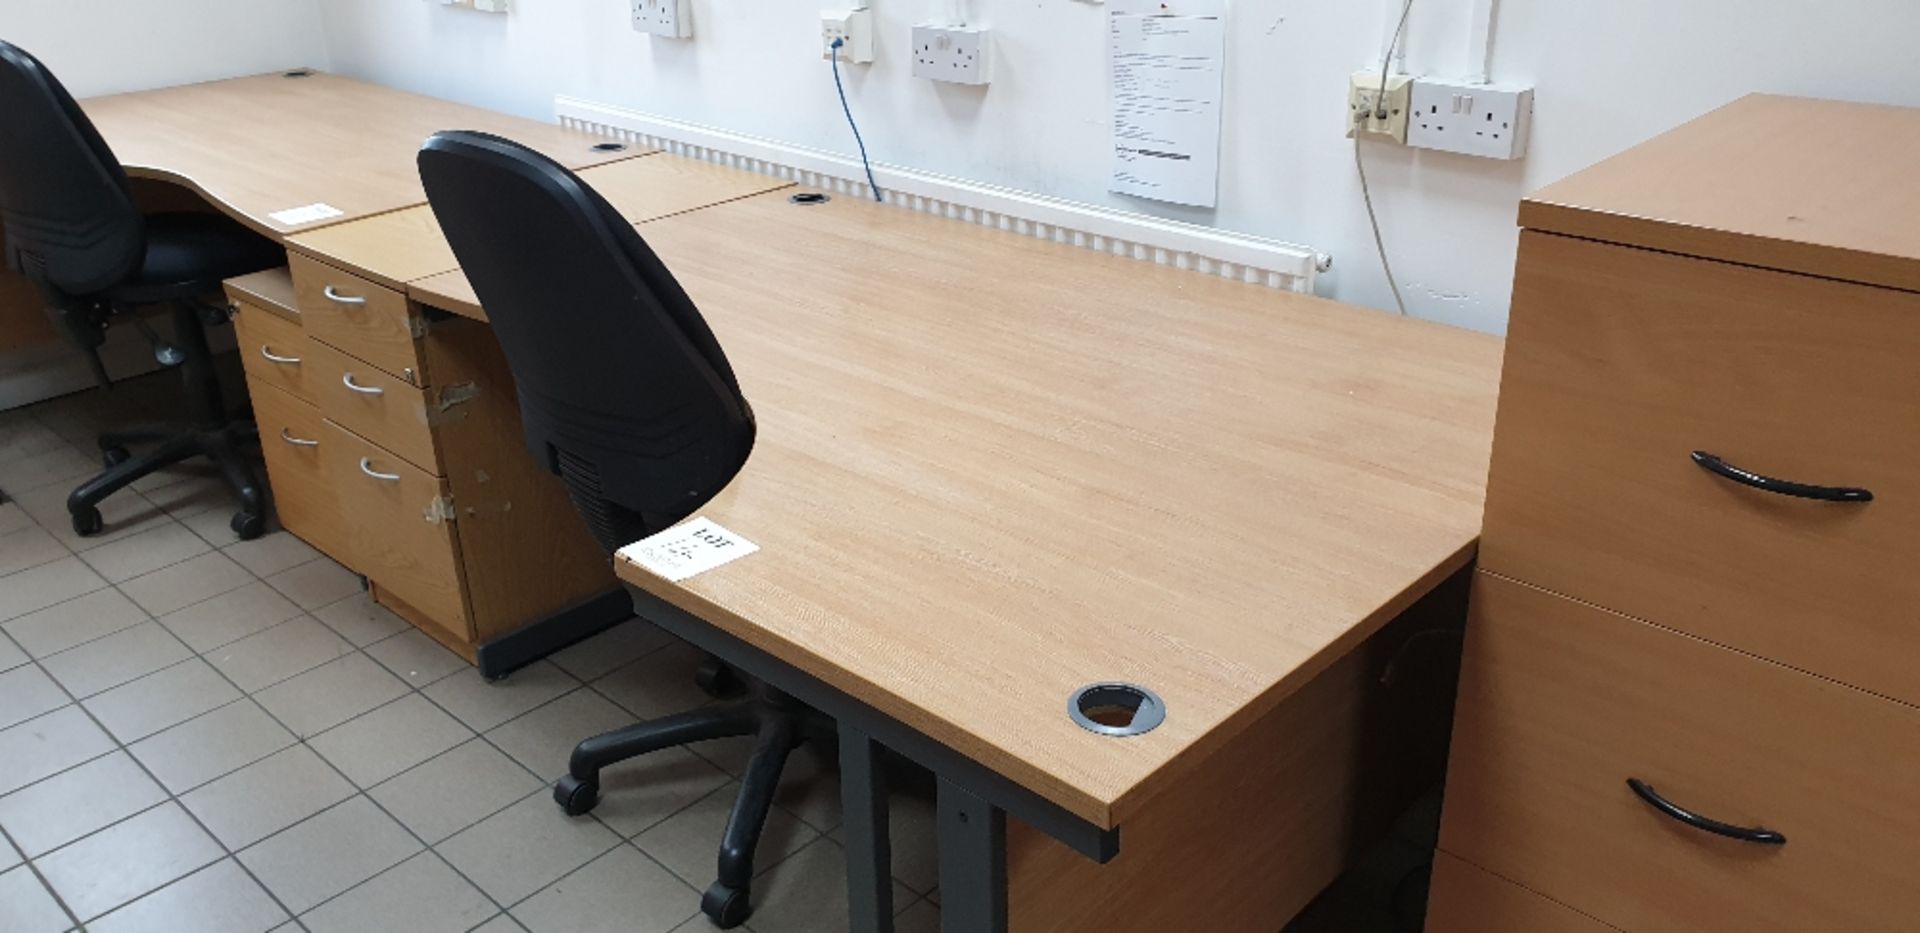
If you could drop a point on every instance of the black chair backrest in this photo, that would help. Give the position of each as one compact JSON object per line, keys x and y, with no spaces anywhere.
{"x":70,"y":222}
{"x":624,"y":391}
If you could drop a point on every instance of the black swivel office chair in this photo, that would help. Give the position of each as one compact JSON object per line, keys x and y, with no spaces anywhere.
{"x":72,"y":229}
{"x":625,"y":395}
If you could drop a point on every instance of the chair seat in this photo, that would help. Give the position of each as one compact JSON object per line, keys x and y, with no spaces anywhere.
{"x":191,"y":254}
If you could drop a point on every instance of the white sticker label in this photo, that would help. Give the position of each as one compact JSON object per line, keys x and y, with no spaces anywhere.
{"x":685,"y":550}
{"x":312,"y":213}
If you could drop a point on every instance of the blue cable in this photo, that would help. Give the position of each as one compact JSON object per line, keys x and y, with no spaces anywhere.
{"x":837,"y":43}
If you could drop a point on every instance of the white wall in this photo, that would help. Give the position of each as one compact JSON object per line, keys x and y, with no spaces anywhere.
{"x":1608,"y":75}
{"x":109,"y":46}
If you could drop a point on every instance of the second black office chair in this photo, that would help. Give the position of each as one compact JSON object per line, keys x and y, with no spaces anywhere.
{"x":626,"y":395}
{"x":72,"y":229}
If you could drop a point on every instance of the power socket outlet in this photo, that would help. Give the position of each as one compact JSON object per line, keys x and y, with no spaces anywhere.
{"x":960,"y":54}
{"x":1486,"y":120}
{"x":670,"y":18}
{"x":854,"y":30}
{"x":1364,"y":106}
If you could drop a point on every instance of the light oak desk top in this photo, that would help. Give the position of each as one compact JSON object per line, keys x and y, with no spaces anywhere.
{"x":263,"y":144}
{"x":1712,"y":189}
{"x":992,"y":469}
{"x":401,"y":247}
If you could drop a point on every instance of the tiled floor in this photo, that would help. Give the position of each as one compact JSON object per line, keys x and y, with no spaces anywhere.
{"x":199,"y":734}
{"x":204,"y":735}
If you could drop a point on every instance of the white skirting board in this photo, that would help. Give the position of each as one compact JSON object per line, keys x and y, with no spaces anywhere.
{"x":1150,"y":239}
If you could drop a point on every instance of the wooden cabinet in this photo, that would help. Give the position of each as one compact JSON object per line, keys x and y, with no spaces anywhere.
{"x":1468,"y":899}
{"x":369,"y":322}
{"x":1623,"y":362}
{"x":1701,"y":531}
{"x":423,"y":486}
{"x":1566,"y":702}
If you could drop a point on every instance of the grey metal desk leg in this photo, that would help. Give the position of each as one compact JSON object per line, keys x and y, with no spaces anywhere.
{"x":973,"y":863}
{"x":863,"y":798}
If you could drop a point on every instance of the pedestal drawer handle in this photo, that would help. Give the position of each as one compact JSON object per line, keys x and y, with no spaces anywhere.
{"x":339,"y":299}
{"x":297,"y":441}
{"x":275,"y":358}
{"x":366,"y":466}
{"x":1722,"y":468}
{"x":346,"y":379}
{"x":1765,"y":837}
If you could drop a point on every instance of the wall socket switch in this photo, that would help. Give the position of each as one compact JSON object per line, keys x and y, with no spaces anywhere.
{"x":960,"y":54}
{"x":1486,"y":120}
{"x":670,"y":18}
{"x":854,"y":30}
{"x":1373,"y":117}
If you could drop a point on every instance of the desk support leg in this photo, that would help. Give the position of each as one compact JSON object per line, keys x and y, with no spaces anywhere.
{"x":973,"y":862}
{"x":863,"y":800}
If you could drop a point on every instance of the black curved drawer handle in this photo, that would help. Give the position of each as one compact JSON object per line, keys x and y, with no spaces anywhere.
{"x":1765,"y":837}
{"x":1719,"y":467}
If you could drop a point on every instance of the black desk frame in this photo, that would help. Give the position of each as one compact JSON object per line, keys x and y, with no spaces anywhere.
{"x":973,"y":804}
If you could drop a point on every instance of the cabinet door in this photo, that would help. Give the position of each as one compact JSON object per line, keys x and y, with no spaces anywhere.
{"x":292,"y":438}
{"x":400,"y":520}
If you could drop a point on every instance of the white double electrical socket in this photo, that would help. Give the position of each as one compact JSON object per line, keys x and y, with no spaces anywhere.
{"x":960,"y":54}
{"x":853,"y":29}
{"x":670,"y":18}
{"x":1486,"y":120}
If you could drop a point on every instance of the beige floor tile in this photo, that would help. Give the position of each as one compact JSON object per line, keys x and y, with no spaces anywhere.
{"x":316,"y":583}
{"x":270,"y":554}
{"x":45,"y":816}
{"x":27,"y":907}
{"x":419,"y":895}
{"x":659,"y":684}
{"x":74,"y":622}
{"x":128,"y":859}
{"x":619,"y":892}
{"x":612,"y":649}
{"x":124,"y":513}
{"x":330,"y":694}
{"x":232,"y":615}
{"x":191,"y":581}
{"x":267,"y":796}
{"x":26,"y":438}
{"x":375,"y":746}
{"x":503,"y":923}
{"x":922,"y":917}
{"x":25,"y":692}
{"x":217,"y":899}
{"x":636,"y":794}
{"x":199,"y":750}
{"x":9,"y":856}
{"x":483,"y":704}
{"x":417,"y":658}
{"x":329,"y":854}
{"x":809,"y":784}
{"x":14,"y":518}
{"x":164,"y":698}
{"x":215,"y":526}
{"x":163,"y":545}
{"x":48,"y":745}
{"x":807,"y":893}
{"x":295,"y":646}
{"x":544,"y":738}
{"x":455,"y":790}
{"x":126,"y":655}
{"x":62,"y":466}
{"x":525,"y":847}
{"x":192,"y":495}
{"x":915,"y":840}
{"x":688,"y":842}
{"x":10,"y":654}
{"x":196,"y":468}
{"x":28,"y":547}
{"x":50,"y":583}
{"x":359,"y":620}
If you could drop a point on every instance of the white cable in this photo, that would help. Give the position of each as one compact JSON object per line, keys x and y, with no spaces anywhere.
{"x":1480,"y":40}
{"x":1360,"y":162}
